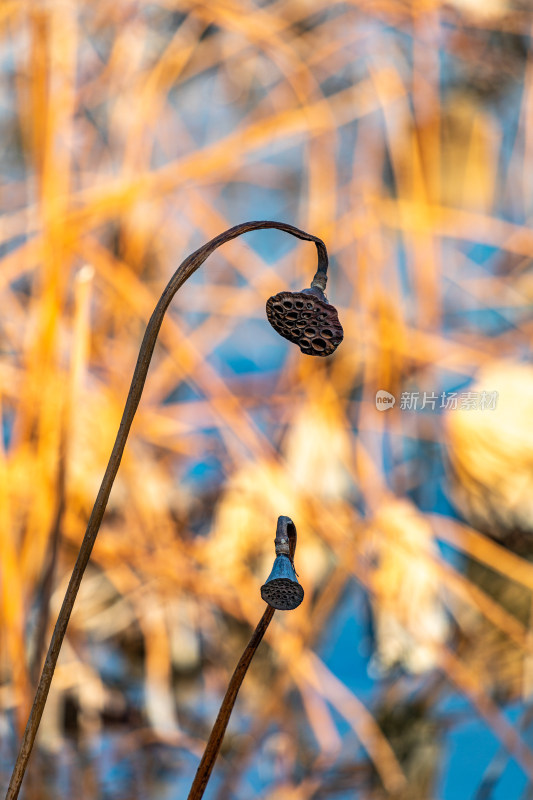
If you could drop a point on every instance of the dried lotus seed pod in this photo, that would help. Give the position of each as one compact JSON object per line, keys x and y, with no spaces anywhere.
{"x":307,"y":319}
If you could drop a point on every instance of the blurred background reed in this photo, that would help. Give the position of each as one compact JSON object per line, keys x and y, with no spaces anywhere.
{"x":401,"y":133}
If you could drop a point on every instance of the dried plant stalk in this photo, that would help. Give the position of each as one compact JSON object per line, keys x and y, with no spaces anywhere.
{"x":184,"y":271}
{"x":286,"y":539}
{"x":214,"y":742}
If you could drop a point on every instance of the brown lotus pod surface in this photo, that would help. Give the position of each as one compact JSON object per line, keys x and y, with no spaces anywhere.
{"x":306,"y":319}
{"x":282,"y":594}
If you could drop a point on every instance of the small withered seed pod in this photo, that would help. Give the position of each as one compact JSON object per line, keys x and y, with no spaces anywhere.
{"x":281,"y":589}
{"x":307,"y":319}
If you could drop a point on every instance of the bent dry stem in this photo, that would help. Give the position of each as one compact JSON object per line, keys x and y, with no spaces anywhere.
{"x":285,"y":544}
{"x":214,"y":742}
{"x":184,"y":271}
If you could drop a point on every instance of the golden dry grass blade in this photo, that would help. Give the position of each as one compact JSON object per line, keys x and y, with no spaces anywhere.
{"x":313,"y":670}
{"x":468,"y":683}
{"x":485,"y":550}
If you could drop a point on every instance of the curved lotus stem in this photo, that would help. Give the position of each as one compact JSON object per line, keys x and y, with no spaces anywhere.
{"x":184,"y":271}
{"x":285,"y":542}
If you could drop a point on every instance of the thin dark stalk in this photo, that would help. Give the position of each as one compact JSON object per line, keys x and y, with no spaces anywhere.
{"x":285,"y":528}
{"x":316,"y":623}
{"x":47,"y":582}
{"x":184,"y":271}
{"x":221,"y":723}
